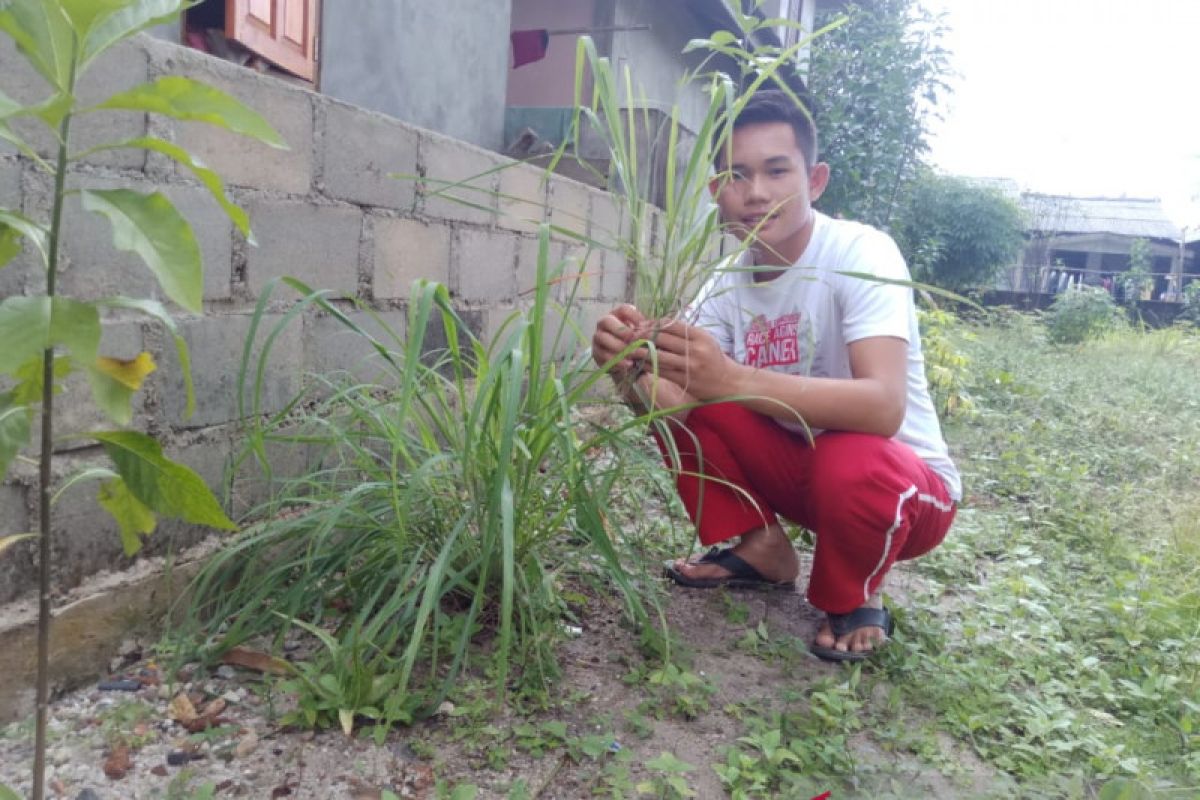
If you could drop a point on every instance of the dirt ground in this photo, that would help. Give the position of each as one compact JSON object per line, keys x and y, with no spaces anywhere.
{"x":252,"y":758}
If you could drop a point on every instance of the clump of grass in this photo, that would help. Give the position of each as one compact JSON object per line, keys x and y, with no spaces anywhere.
{"x":448,"y":504}
{"x":1071,"y":658}
{"x":1083,"y":313}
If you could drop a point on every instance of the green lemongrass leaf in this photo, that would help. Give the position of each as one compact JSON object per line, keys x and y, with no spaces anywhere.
{"x":14,"y":430}
{"x":125,"y":22}
{"x":133,"y":518}
{"x":186,"y":99}
{"x":155,"y":309}
{"x":30,"y":325}
{"x":211,"y":180}
{"x":165,"y":487}
{"x":149,"y":225}
{"x":84,"y":475}
{"x":13,"y":221}
{"x":911,"y":284}
{"x":5,"y":543}
{"x":43,"y":34}
{"x":9,"y":107}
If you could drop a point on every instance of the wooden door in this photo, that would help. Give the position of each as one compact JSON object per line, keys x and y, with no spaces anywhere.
{"x":283,"y":32}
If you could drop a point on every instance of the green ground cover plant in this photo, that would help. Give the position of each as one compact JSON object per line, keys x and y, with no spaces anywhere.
{"x":47,"y":336}
{"x":1082,"y":313}
{"x":1076,"y":568}
{"x":1057,"y":634}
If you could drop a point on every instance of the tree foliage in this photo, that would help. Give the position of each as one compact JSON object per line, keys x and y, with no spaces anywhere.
{"x":956,"y":233}
{"x":876,"y":81}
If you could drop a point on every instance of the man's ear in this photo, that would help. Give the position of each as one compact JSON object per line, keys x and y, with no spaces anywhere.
{"x":818,"y":179}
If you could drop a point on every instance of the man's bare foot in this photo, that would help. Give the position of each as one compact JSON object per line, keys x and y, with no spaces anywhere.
{"x":768,"y":550}
{"x":859,"y":640}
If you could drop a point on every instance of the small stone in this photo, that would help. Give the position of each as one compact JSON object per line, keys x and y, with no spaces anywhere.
{"x":233,"y":698}
{"x":122,"y":685}
{"x":59,"y":757}
{"x":445,"y":709}
{"x":118,"y":763}
{"x":87,"y":794}
{"x":226,"y":672}
{"x":247,"y":745}
{"x":130,"y":649}
{"x":164,"y":692}
{"x":159,"y":770}
{"x":177,"y":758}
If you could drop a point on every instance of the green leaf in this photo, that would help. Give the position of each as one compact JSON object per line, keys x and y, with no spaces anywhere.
{"x":12,"y":221}
{"x":1124,"y":789}
{"x":165,"y":487}
{"x":132,"y":516}
{"x":29,"y":325}
{"x":667,"y":762}
{"x":10,"y":243}
{"x":53,"y":109}
{"x":465,"y":791}
{"x":137,"y":16}
{"x":211,"y":180}
{"x":28,"y":376}
{"x":43,"y":34}
{"x":84,"y":13}
{"x":14,"y":430}
{"x":158,"y":311}
{"x":147,"y":224}
{"x":114,"y":382}
{"x":76,"y":325}
{"x":186,"y":99}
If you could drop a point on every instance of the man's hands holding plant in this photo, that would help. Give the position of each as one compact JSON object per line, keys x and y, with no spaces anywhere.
{"x":684,"y":365}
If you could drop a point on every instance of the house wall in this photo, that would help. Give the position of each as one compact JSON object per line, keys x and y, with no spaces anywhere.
{"x":324,"y":211}
{"x":551,"y":81}
{"x":440,"y":65}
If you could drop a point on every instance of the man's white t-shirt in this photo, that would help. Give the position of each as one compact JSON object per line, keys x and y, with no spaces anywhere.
{"x":802,"y":321}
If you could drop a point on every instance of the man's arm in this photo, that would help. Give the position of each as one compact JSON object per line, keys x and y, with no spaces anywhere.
{"x":872,"y":401}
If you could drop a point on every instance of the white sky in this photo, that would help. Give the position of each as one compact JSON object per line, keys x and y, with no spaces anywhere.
{"x":1083,"y":97}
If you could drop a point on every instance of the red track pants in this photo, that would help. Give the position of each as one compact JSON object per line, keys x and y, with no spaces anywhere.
{"x":870,"y":500}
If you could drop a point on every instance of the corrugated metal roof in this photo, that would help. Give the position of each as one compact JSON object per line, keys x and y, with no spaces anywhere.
{"x":1122,"y":216}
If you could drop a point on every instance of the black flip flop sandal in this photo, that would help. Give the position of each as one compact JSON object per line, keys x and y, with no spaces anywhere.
{"x":841,"y":624}
{"x":741,"y":574}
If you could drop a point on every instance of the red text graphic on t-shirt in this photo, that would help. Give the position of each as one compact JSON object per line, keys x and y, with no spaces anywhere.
{"x":771,"y":343}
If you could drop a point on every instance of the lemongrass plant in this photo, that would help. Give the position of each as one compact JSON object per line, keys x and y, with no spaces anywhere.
{"x":447,"y":504}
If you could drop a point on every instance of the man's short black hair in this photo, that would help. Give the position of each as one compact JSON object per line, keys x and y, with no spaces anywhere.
{"x":775,"y":105}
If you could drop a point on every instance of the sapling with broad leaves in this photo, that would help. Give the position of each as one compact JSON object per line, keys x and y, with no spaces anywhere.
{"x":48,"y":336}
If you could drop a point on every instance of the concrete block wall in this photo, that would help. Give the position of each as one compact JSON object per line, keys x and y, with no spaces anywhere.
{"x":325,"y":211}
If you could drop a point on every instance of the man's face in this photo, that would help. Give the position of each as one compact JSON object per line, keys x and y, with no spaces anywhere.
{"x":767,"y":191}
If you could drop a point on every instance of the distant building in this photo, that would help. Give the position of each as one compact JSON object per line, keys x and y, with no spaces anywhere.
{"x":1088,"y":239}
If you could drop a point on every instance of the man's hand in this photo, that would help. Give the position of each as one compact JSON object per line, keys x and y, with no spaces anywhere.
{"x":615,"y":331}
{"x":690,"y":358}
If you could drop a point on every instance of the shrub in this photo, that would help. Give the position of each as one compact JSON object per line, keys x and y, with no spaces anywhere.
{"x":1083,"y":313}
